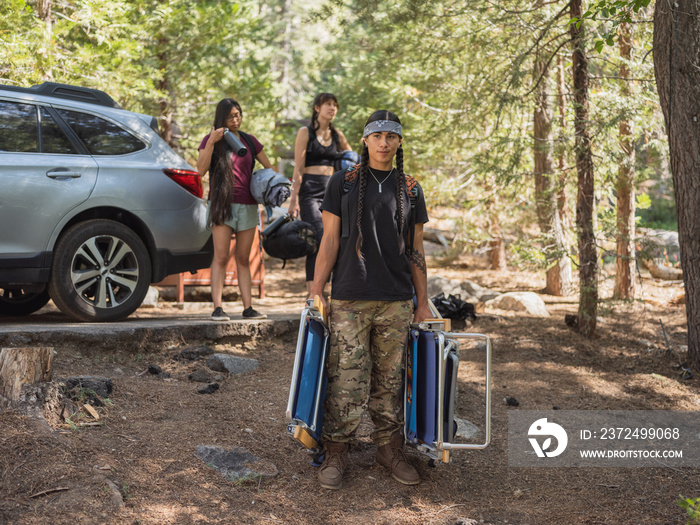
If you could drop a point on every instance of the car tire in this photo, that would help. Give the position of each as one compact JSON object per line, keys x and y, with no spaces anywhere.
{"x":16,"y":302}
{"x":86,"y":285}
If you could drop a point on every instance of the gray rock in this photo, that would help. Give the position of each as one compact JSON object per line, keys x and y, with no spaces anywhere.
{"x":473,"y":289}
{"x":231,"y":364}
{"x":528,"y":302}
{"x":102,"y":386}
{"x":199,"y":376}
{"x":659,"y":243}
{"x":439,"y":284}
{"x":209,"y":389}
{"x":466,"y":521}
{"x":151,"y":299}
{"x":236,"y":464}
{"x":194,"y":353}
{"x":487,"y":296}
{"x":466,"y":429}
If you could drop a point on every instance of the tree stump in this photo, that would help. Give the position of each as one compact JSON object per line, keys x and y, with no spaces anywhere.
{"x":25,"y":379}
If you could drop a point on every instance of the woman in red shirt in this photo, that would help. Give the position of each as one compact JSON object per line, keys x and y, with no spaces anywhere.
{"x":232,"y":208}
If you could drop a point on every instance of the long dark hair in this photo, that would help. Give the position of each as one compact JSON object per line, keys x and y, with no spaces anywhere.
{"x":319,"y":100}
{"x":221,"y":169}
{"x":400,"y":184}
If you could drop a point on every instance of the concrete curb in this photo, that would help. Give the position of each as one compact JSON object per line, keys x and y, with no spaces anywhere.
{"x":141,"y":334}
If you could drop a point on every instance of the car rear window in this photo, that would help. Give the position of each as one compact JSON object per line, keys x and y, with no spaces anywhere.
{"x":53,"y":140}
{"x":100,"y":136}
{"x":19,"y":129}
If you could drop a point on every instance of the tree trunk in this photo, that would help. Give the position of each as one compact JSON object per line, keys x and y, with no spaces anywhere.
{"x":165,"y":103}
{"x":546,"y":193}
{"x":564,"y":223}
{"x":562,"y":164}
{"x":43,"y":10}
{"x":676,"y":51}
{"x":585,"y":206}
{"x":22,"y":367}
{"x":497,"y":247}
{"x":625,"y":261}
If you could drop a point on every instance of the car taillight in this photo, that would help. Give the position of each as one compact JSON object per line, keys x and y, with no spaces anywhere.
{"x":188,"y":179}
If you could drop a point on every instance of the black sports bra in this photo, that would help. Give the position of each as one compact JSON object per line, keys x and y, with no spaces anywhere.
{"x":319,"y":155}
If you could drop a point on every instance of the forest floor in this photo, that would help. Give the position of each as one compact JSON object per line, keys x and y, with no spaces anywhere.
{"x":139,"y":464}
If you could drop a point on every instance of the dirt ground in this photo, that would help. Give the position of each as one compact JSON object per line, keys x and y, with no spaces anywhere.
{"x":139,"y":465}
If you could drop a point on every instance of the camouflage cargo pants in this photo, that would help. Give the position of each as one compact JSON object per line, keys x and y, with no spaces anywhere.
{"x":366,"y":358}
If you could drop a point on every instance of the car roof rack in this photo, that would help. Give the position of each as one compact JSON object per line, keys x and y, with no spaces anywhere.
{"x":82,"y":94}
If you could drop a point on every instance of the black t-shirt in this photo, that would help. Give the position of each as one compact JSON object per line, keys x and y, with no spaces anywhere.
{"x":385,"y":273}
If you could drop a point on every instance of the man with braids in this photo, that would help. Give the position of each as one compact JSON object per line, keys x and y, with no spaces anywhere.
{"x":377,"y":263}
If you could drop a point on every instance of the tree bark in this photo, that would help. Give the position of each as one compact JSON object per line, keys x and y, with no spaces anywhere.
{"x":564,"y":262}
{"x":677,"y":72}
{"x":43,"y":10}
{"x":165,"y":103}
{"x":546,"y":189}
{"x":497,"y":247}
{"x":625,"y":260}
{"x":21,"y":367}
{"x":562,"y":164}
{"x":585,"y":206}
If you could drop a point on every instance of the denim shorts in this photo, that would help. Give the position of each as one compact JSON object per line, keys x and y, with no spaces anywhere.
{"x":243,"y":217}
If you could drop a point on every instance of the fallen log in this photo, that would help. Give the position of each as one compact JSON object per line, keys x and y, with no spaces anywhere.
{"x":658,"y":270}
{"x":441,"y":237}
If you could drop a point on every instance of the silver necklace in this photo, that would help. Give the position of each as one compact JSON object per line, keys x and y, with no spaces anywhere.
{"x":375,"y":177}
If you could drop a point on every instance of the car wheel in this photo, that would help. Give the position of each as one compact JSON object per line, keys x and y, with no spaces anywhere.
{"x":16,"y":301}
{"x":101,"y":271}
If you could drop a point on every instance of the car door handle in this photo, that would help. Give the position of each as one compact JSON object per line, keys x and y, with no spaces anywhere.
{"x":63,"y":173}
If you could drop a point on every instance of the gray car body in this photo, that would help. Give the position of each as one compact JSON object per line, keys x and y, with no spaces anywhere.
{"x":43,"y":194}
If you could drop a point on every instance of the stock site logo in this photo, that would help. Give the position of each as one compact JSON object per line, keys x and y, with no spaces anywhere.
{"x":542,"y":429}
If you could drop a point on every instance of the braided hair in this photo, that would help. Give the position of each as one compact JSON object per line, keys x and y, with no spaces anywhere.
{"x":319,"y":100}
{"x":221,"y":169}
{"x":400,"y":185}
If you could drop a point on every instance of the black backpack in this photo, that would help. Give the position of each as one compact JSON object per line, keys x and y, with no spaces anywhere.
{"x":453,"y":307}
{"x":286,"y":239}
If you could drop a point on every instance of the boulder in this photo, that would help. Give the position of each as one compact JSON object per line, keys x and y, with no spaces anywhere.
{"x":528,"y":302}
{"x":466,"y":429}
{"x":199,"y":376}
{"x":193,"y":353}
{"x":231,"y":364}
{"x":488,"y":295}
{"x":439,"y":284}
{"x":102,"y":386}
{"x":151,"y":299}
{"x":473,"y":289}
{"x":236,"y":464}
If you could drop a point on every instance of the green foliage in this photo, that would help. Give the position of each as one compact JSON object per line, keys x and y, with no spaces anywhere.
{"x":614,"y":11}
{"x":643,"y":202}
{"x":461,"y":76}
{"x":692,"y":507}
{"x":660,"y":215}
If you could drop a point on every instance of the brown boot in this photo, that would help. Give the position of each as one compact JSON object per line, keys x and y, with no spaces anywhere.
{"x":393,"y":458}
{"x":330,"y":475}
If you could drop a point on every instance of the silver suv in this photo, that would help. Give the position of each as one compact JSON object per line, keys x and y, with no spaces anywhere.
{"x":94,"y":205}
